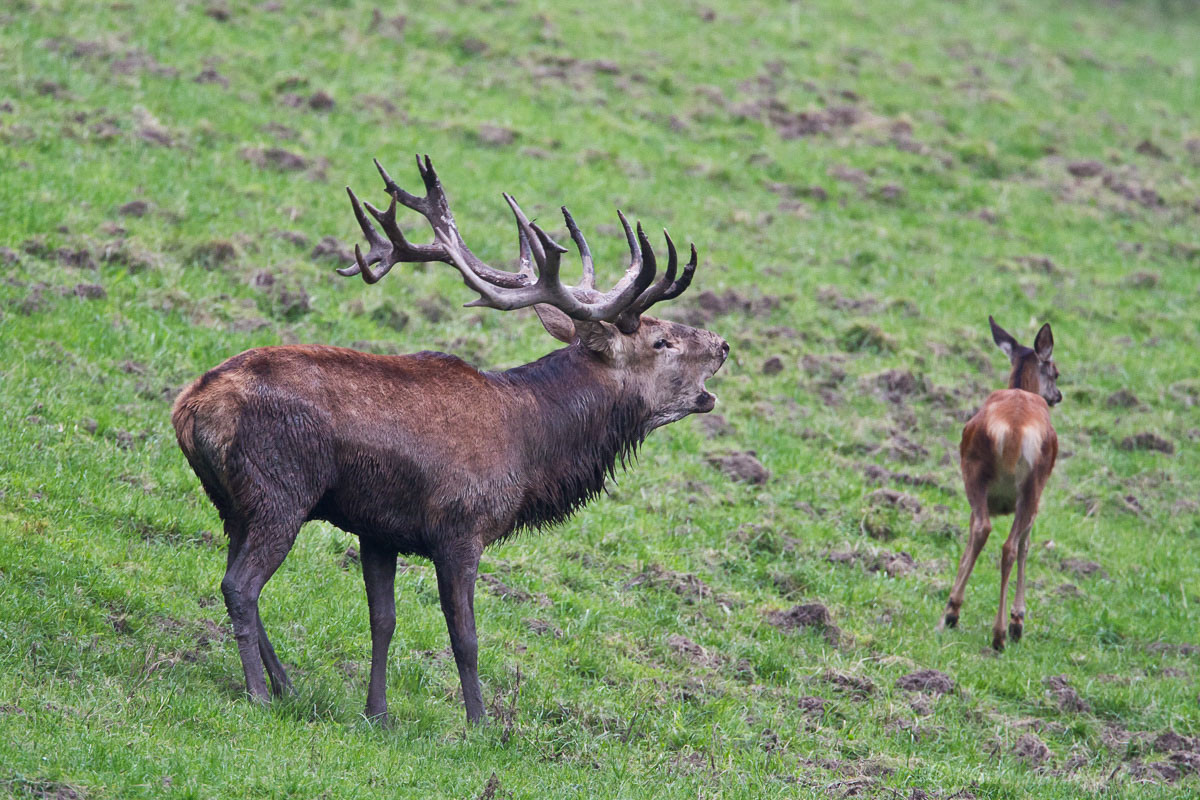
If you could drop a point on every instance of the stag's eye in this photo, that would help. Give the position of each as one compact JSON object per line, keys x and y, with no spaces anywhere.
{"x":660,"y":344}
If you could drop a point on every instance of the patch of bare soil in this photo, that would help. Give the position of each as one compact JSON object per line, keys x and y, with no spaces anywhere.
{"x":741,"y":466}
{"x":275,"y":158}
{"x":714,"y":425}
{"x":541,"y":627}
{"x":1147,"y":441}
{"x":1068,"y":700}
{"x":805,"y":616}
{"x":502,"y":590}
{"x":684,"y":584}
{"x":1082,"y":567}
{"x":1122,"y":398}
{"x":210,"y":75}
{"x":877,"y":474}
{"x":691,"y":652}
{"x":1177,"y":649}
{"x":853,"y":685}
{"x":1085,"y":169}
{"x":928,"y":681}
{"x":708,"y":305}
{"x":330,"y":248}
{"x":1031,"y":749}
{"x":812,"y":706}
{"x":832,"y":298}
{"x":895,"y":564}
{"x":894,"y":499}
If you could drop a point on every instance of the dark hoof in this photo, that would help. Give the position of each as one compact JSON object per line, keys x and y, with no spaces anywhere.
{"x":1014,"y":631}
{"x":950,"y":621}
{"x":998,"y":642}
{"x":380,"y":719}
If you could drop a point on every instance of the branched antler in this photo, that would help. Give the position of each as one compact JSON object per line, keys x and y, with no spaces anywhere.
{"x":538,"y":280}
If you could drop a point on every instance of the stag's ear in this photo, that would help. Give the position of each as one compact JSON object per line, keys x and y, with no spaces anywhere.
{"x":556,"y":323}
{"x":1043,"y":345}
{"x":1003,"y":339}
{"x":599,"y":336}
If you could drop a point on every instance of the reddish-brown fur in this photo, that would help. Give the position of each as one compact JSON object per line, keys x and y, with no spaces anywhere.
{"x":1008,"y":451}
{"x":425,"y":455}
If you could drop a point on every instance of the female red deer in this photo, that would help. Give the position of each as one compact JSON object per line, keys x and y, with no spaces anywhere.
{"x":423,"y":454}
{"x":1008,"y":451}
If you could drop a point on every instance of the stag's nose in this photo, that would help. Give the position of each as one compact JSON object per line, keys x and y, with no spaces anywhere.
{"x":724,"y":349}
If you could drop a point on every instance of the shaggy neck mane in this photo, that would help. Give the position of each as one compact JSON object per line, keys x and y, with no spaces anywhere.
{"x":584,"y":426}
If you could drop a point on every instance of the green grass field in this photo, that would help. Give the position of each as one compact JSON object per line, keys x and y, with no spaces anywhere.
{"x":866,"y":182}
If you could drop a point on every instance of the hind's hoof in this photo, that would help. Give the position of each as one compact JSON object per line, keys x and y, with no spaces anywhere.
{"x":998,"y":641}
{"x":1015,"y":629}
{"x":949,"y":621}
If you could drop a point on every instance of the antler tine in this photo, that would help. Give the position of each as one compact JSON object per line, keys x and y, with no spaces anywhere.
{"x":685,"y":280}
{"x":588,"y":281}
{"x":373,"y":237}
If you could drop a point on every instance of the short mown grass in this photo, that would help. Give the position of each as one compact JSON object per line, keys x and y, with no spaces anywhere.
{"x":866,"y":183}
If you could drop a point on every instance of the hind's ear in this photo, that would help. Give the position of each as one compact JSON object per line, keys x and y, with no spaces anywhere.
{"x":1043,"y":345}
{"x":556,"y":323}
{"x":1003,"y":339}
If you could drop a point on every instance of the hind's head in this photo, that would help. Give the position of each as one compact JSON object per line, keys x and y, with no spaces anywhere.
{"x":1033,"y":368}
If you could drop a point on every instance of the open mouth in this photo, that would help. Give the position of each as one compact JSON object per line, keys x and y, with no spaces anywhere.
{"x":706,"y":401}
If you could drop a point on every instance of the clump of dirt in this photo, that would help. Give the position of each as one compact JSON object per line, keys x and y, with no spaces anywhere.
{"x":134,"y":208}
{"x":714,"y":425}
{"x":90,"y":291}
{"x":1171,"y":647}
{"x":772,"y":366}
{"x":1067,"y":698}
{"x":1082,"y":567}
{"x":321,"y":101}
{"x":1139,"y":193}
{"x":1085,"y":169}
{"x":1031,"y":749}
{"x":332,"y":249}
{"x":741,"y":466}
{"x":812,"y":706}
{"x":350,"y":558}
{"x":831,"y":298}
{"x":894,"y":499}
{"x":495,"y":135}
{"x":214,"y":254}
{"x":684,"y":584}
{"x":275,"y":158}
{"x":899,"y":384}
{"x":806,"y":615}
{"x":1147,"y":441}
{"x":502,"y":590}
{"x":210,"y":75}
{"x":688,"y":650}
{"x":1122,"y":398}
{"x":541,"y":627}
{"x":850,"y":684}
{"x":710,"y":305}
{"x":877,"y":474}
{"x":928,"y":681}
{"x":1171,"y":742}
{"x":895,"y":564}
{"x":865,"y":337}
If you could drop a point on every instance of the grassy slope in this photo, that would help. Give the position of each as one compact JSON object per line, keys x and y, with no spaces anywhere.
{"x":108,"y":679}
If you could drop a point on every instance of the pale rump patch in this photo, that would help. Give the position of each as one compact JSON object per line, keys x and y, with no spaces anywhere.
{"x":1031,"y":444}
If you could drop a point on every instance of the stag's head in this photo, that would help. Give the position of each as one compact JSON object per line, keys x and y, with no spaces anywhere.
{"x":664,"y":363}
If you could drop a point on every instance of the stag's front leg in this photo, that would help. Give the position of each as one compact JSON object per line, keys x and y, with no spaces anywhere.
{"x":457,"y":567}
{"x":379,"y":575}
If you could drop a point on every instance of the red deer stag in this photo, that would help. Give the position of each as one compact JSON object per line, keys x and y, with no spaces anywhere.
{"x":424,"y":455}
{"x":1008,"y":451}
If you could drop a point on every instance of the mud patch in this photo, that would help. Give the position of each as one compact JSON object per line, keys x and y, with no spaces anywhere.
{"x":1082,"y":567}
{"x":877,"y":474}
{"x":853,"y":685}
{"x":1067,"y":699}
{"x":691,"y":652}
{"x":927,"y":681}
{"x":806,"y":616}
{"x":541,"y":627}
{"x":1031,"y":749}
{"x":275,"y":158}
{"x":332,"y":249}
{"x":1147,"y":441}
{"x":505,"y":592}
{"x":684,"y":584}
{"x":741,"y":466}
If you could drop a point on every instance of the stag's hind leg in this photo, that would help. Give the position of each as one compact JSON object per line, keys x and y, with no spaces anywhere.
{"x":980,"y":529}
{"x":256,"y":549}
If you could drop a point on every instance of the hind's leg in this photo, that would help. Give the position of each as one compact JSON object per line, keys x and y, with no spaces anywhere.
{"x":260,"y":550}
{"x":1015,"y":548}
{"x":981,"y":528}
{"x":1016,"y":623}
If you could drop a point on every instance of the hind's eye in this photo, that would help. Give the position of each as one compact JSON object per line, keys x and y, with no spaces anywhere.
{"x":660,"y":344}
